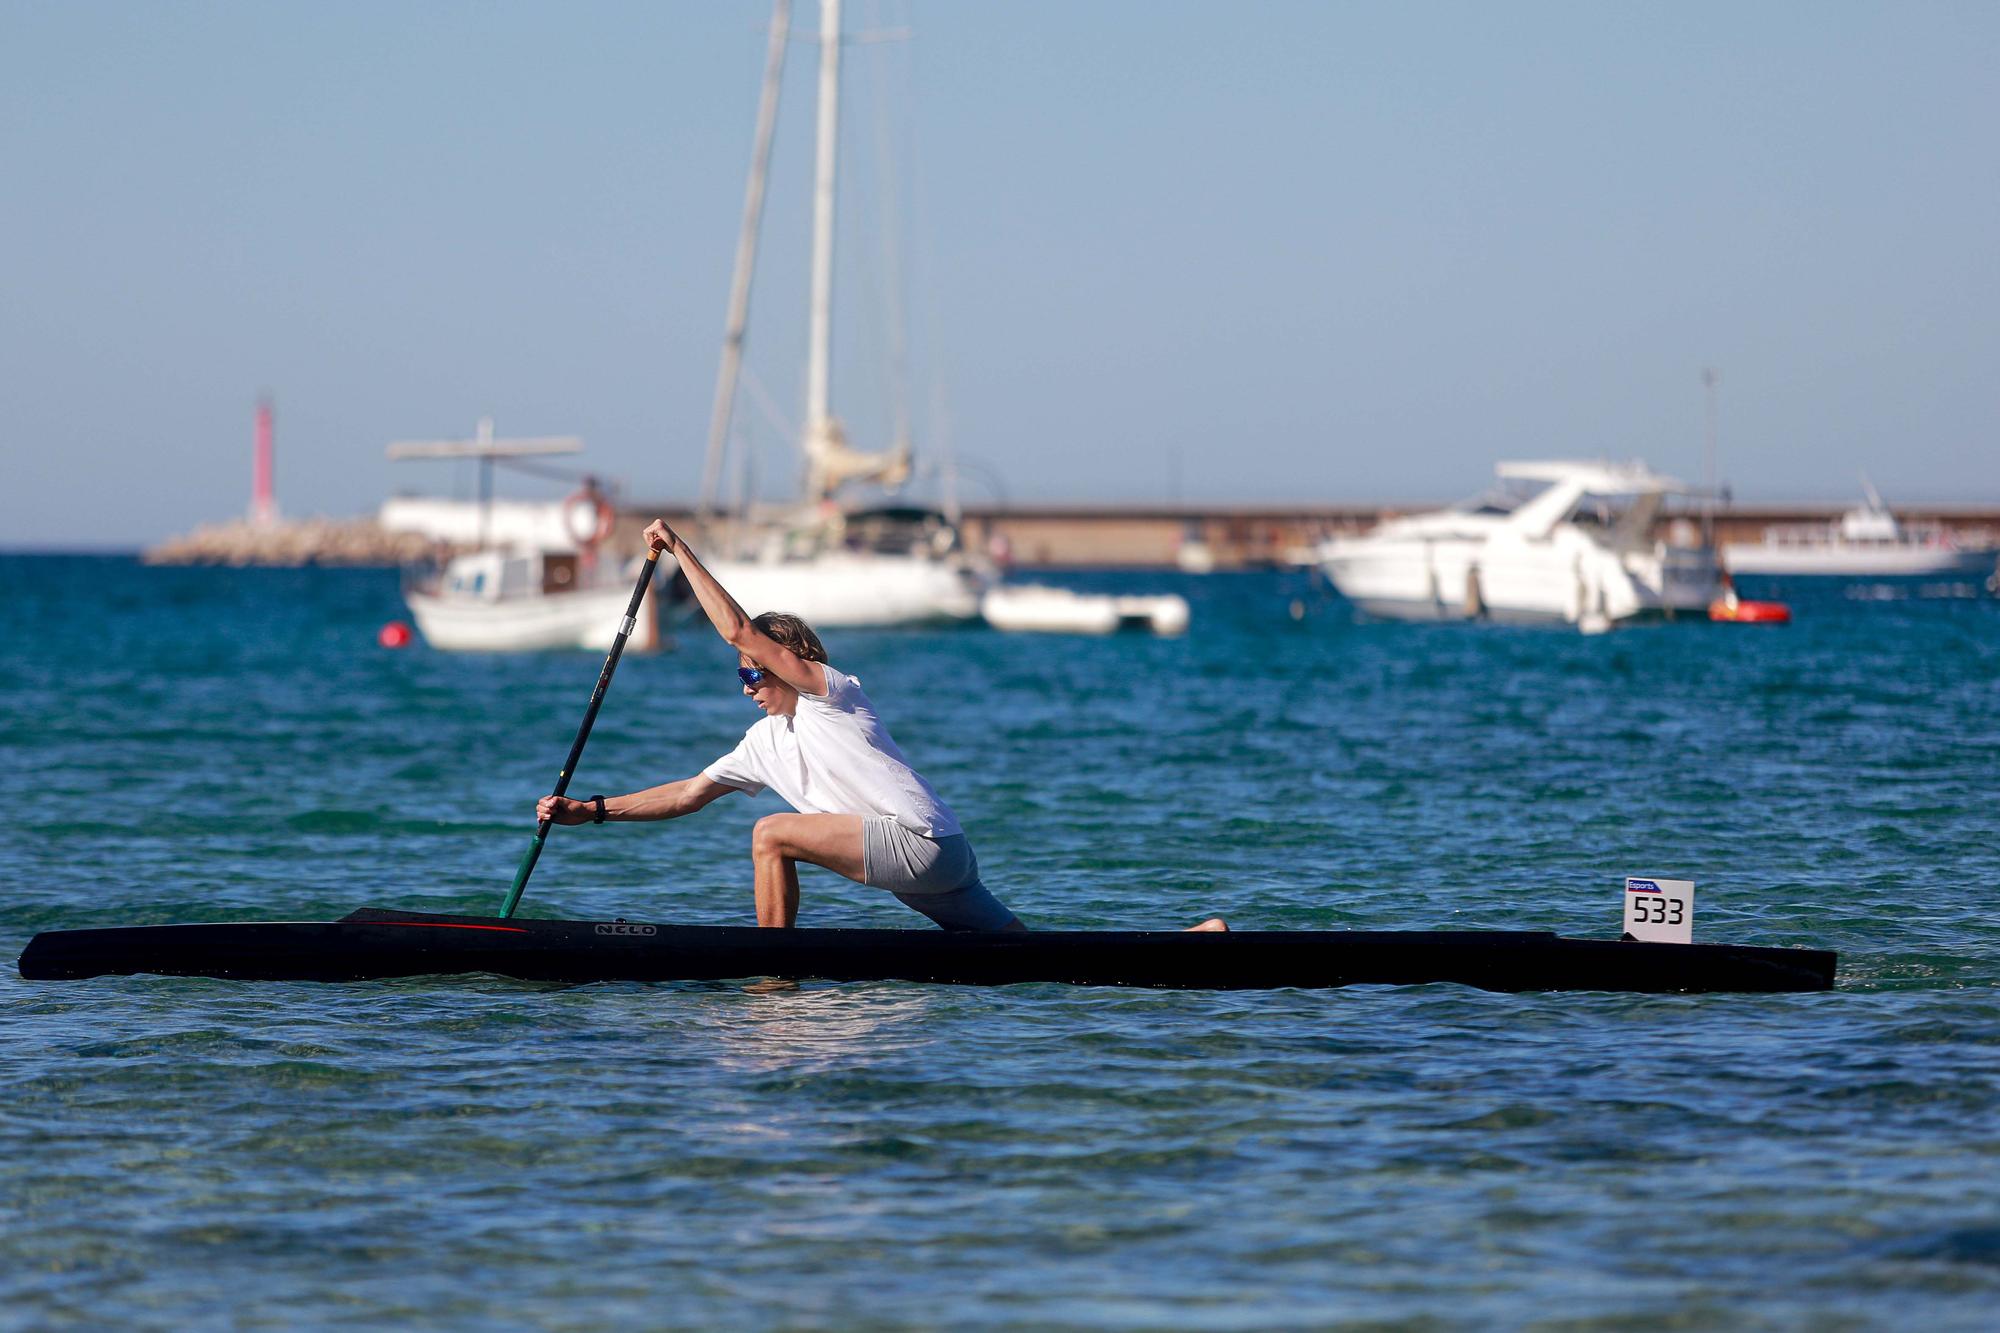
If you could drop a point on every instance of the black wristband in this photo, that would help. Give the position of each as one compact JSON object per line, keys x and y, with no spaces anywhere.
{"x":598,"y":801}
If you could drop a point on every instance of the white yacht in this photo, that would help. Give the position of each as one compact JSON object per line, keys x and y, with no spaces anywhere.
{"x":1866,"y":542}
{"x":536,"y":576}
{"x":1578,"y":550}
{"x":832,"y":563}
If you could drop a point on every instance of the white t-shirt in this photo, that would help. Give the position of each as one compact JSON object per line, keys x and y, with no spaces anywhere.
{"x":834,"y":757}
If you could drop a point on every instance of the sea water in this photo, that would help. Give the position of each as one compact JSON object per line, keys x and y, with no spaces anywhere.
{"x":205,"y":745}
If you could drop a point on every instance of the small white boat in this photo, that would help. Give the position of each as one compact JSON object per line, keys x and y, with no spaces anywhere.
{"x":1192,"y":552}
{"x":1578,"y":551}
{"x":528,"y":601}
{"x":538,"y":577}
{"x":1034,"y":607}
{"x":1866,"y":542}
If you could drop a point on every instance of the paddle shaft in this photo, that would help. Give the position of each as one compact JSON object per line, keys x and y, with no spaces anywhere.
{"x":625,"y":627}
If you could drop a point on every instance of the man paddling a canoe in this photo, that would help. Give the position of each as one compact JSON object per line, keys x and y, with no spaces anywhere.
{"x":861,"y":810}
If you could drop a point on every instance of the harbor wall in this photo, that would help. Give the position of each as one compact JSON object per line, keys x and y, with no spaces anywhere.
{"x":1072,"y":536}
{"x":1263,"y":536}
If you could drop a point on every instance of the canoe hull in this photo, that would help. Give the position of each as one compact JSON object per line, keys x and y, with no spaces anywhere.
{"x":374,"y":944}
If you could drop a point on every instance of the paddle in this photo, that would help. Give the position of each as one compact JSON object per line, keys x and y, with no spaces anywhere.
{"x":583,"y":733}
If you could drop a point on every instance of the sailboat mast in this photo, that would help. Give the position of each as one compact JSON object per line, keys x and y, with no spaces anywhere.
{"x":746,"y":256}
{"x":818,"y":377}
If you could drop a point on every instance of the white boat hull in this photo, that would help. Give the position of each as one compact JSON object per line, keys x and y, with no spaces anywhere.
{"x":1866,"y":542}
{"x":587,"y":618}
{"x":1559,"y":582}
{"x":1831,"y":560}
{"x":1033,"y":608}
{"x":849,"y":589}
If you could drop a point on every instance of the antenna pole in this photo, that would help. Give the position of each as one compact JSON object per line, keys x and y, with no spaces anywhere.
{"x":1709,"y":376}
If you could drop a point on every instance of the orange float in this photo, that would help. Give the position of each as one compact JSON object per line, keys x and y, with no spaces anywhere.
{"x":1734,"y":610}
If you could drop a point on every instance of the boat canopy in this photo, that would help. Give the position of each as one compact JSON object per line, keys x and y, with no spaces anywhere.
{"x":1594,"y":477}
{"x":1617,"y":497}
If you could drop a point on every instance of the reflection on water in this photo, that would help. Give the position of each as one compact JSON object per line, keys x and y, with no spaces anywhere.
{"x":805,"y":1028}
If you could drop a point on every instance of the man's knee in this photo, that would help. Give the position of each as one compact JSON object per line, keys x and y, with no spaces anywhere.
{"x":767,"y":837}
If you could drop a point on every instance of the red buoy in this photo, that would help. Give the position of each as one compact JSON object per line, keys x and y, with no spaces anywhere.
{"x":1736,"y":611}
{"x":395,"y":634}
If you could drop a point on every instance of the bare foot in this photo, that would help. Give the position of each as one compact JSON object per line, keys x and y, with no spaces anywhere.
{"x":1213,"y":923}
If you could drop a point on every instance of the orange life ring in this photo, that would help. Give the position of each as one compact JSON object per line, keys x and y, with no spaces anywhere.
{"x":603,"y":518}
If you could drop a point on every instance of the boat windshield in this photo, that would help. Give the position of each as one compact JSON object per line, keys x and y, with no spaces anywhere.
{"x":898,"y":531}
{"x":1501,"y":499}
{"x":1600,"y":511}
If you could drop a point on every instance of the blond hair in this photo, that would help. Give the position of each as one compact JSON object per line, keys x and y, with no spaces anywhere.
{"x":793,"y":633}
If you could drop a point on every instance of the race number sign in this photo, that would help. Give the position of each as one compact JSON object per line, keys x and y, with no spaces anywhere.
{"x":1659,"y":910}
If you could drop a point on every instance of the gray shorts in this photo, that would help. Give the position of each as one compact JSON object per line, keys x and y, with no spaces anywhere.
{"x":937,"y":876}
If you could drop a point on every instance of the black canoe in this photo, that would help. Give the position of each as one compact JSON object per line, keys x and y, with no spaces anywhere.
{"x":374,"y":943}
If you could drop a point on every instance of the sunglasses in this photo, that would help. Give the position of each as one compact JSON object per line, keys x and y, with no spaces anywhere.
{"x":751,"y":676}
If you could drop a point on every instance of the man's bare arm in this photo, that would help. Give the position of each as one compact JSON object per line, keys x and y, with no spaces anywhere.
{"x":669,"y":800}
{"x":732,"y":622}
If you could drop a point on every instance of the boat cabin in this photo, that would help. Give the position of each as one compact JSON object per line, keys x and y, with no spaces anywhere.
{"x":493,"y":576}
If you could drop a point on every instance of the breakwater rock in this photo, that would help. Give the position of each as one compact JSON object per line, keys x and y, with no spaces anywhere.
{"x":293,"y":542}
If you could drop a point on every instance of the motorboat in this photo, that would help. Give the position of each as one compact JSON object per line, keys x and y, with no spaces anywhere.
{"x":826,"y":559}
{"x":1867,"y":541}
{"x":515,"y":576}
{"x":1563,"y":542}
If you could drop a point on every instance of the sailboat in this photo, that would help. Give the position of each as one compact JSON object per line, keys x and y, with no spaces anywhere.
{"x":829,"y":562}
{"x":537,"y":576}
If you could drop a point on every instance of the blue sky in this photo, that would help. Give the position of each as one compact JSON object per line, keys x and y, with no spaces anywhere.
{"x":1221,"y":252}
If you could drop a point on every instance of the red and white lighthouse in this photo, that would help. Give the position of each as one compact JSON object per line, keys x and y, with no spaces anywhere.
{"x":263,"y":499}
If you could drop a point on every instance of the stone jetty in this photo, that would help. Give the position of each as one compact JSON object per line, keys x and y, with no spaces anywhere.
{"x":293,"y":542}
